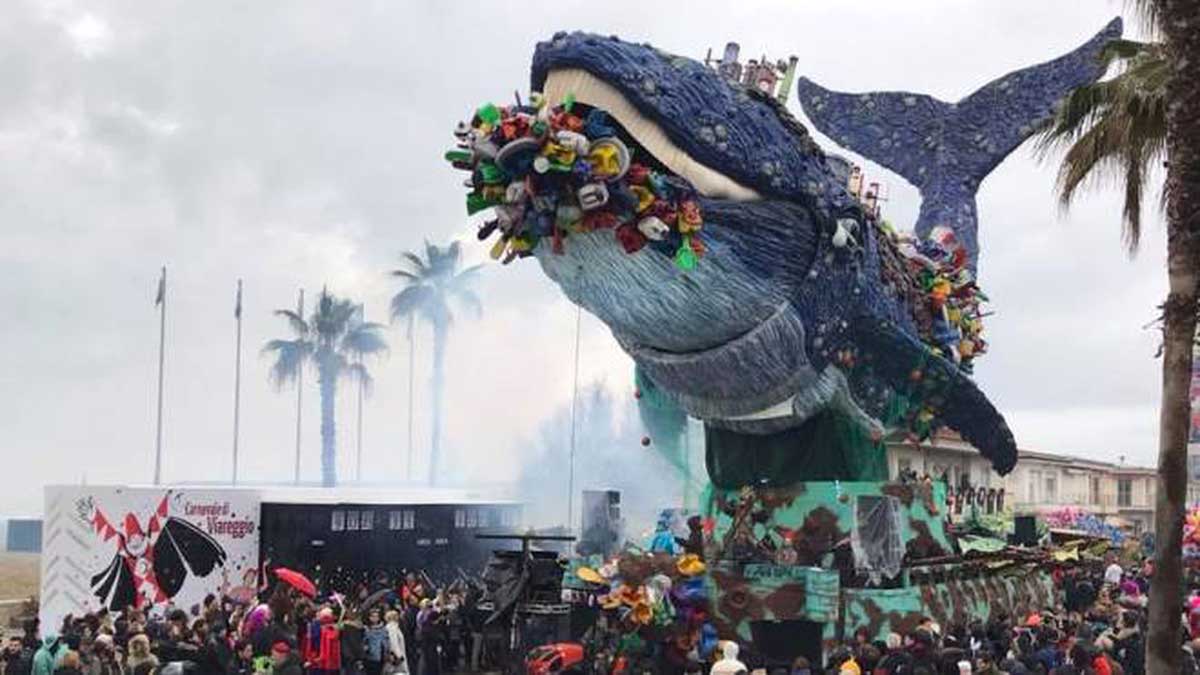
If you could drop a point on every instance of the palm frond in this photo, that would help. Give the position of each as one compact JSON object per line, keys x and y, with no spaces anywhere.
{"x":290,"y":356}
{"x":443,"y":260}
{"x":358,"y":372}
{"x":333,"y":318}
{"x":1135,"y":178}
{"x":297,"y":322}
{"x":1122,"y":50}
{"x":469,"y":275}
{"x":405,"y":274}
{"x":410,"y":300}
{"x":418,"y":265}
{"x":433,"y":256}
{"x":364,"y":339}
{"x":468,"y":299}
{"x":1147,"y":12}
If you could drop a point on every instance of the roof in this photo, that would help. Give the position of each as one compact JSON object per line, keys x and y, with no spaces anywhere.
{"x":358,"y":495}
{"x":951,"y":441}
{"x":383,"y":496}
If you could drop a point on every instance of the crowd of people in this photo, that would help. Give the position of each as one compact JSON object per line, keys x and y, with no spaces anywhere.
{"x":1098,"y":629}
{"x":384,"y":629}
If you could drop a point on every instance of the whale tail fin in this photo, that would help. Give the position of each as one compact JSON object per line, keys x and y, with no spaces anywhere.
{"x":946,"y":149}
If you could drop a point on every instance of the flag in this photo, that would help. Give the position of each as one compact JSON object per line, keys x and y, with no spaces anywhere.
{"x":237,"y":308}
{"x":161,"y":297}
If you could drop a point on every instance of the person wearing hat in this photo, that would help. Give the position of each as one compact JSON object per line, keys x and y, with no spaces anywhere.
{"x":48,"y":656}
{"x":140,"y":660}
{"x":284,"y":661}
{"x":104,"y":658}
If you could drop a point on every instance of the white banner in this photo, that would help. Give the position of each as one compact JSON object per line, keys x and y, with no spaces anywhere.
{"x":152,"y":548}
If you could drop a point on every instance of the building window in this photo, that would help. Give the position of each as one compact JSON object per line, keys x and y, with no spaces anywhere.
{"x":366,"y":521}
{"x":472,"y":518}
{"x":402,"y":520}
{"x":460,"y":518}
{"x":337,"y":521}
{"x":1094,"y":495}
{"x":1034,"y":478}
{"x":1124,"y":492}
{"x":352,"y":520}
{"x":1051,"y":488}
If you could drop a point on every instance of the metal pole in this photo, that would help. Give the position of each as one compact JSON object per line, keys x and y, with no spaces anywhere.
{"x":574,"y":405}
{"x":237,"y":380}
{"x":358,"y":468}
{"x":299,"y":391}
{"x":162,"y":340}
{"x":412,"y":350}
{"x":361,"y":384}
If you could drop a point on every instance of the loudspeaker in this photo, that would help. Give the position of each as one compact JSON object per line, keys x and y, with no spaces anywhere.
{"x":505,"y":585}
{"x":602,"y":526}
{"x":1024,"y":531}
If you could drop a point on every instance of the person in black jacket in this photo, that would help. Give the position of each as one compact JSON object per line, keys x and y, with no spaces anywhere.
{"x":243,"y":658}
{"x":353,"y":648}
{"x":215,"y":654}
{"x":1129,"y":646}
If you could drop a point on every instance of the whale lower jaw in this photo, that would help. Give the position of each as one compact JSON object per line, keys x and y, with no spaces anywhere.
{"x":828,"y":391}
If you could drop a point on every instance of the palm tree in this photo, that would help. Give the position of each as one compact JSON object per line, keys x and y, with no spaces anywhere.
{"x":1148,"y":112}
{"x":431,"y":285}
{"x":333,"y":339}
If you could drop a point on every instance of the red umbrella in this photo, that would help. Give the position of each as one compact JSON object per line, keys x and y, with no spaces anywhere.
{"x":297,"y":581}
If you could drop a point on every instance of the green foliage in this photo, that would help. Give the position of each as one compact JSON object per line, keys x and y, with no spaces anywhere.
{"x":1114,"y":129}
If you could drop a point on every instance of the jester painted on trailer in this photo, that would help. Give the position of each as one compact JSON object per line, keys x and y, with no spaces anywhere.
{"x":153,"y":556}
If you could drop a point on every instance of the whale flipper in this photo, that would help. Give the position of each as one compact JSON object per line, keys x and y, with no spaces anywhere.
{"x":955,"y":399}
{"x":947,"y":149}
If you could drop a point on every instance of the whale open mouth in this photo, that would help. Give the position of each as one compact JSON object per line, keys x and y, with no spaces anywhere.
{"x":593,"y":91}
{"x":579,"y":157}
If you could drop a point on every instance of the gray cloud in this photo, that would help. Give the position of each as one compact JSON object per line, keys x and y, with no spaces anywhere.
{"x":299,"y":144}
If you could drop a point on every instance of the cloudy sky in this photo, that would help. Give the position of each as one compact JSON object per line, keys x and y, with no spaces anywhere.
{"x":298,"y":145}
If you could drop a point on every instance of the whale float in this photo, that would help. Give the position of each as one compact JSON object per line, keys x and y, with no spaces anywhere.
{"x":793,"y":301}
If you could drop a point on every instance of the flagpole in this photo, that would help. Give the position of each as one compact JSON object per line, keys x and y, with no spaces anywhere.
{"x":574,"y":405}
{"x":237,"y":379}
{"x":412,"y":350}
{"x":162,"y":340}
{"x":299,"y":391}
{"x":361,"y":384}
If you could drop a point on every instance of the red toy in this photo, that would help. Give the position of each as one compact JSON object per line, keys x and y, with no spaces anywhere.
{"x":553,"y":658}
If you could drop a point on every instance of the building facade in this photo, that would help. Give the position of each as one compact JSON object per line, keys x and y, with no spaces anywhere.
{"x":1041,"y":482}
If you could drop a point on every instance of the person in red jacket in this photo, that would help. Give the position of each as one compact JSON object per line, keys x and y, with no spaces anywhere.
{"x":323,"y":649}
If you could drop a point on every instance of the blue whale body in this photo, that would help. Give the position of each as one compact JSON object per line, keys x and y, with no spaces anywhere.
{"x":777,"y":323}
